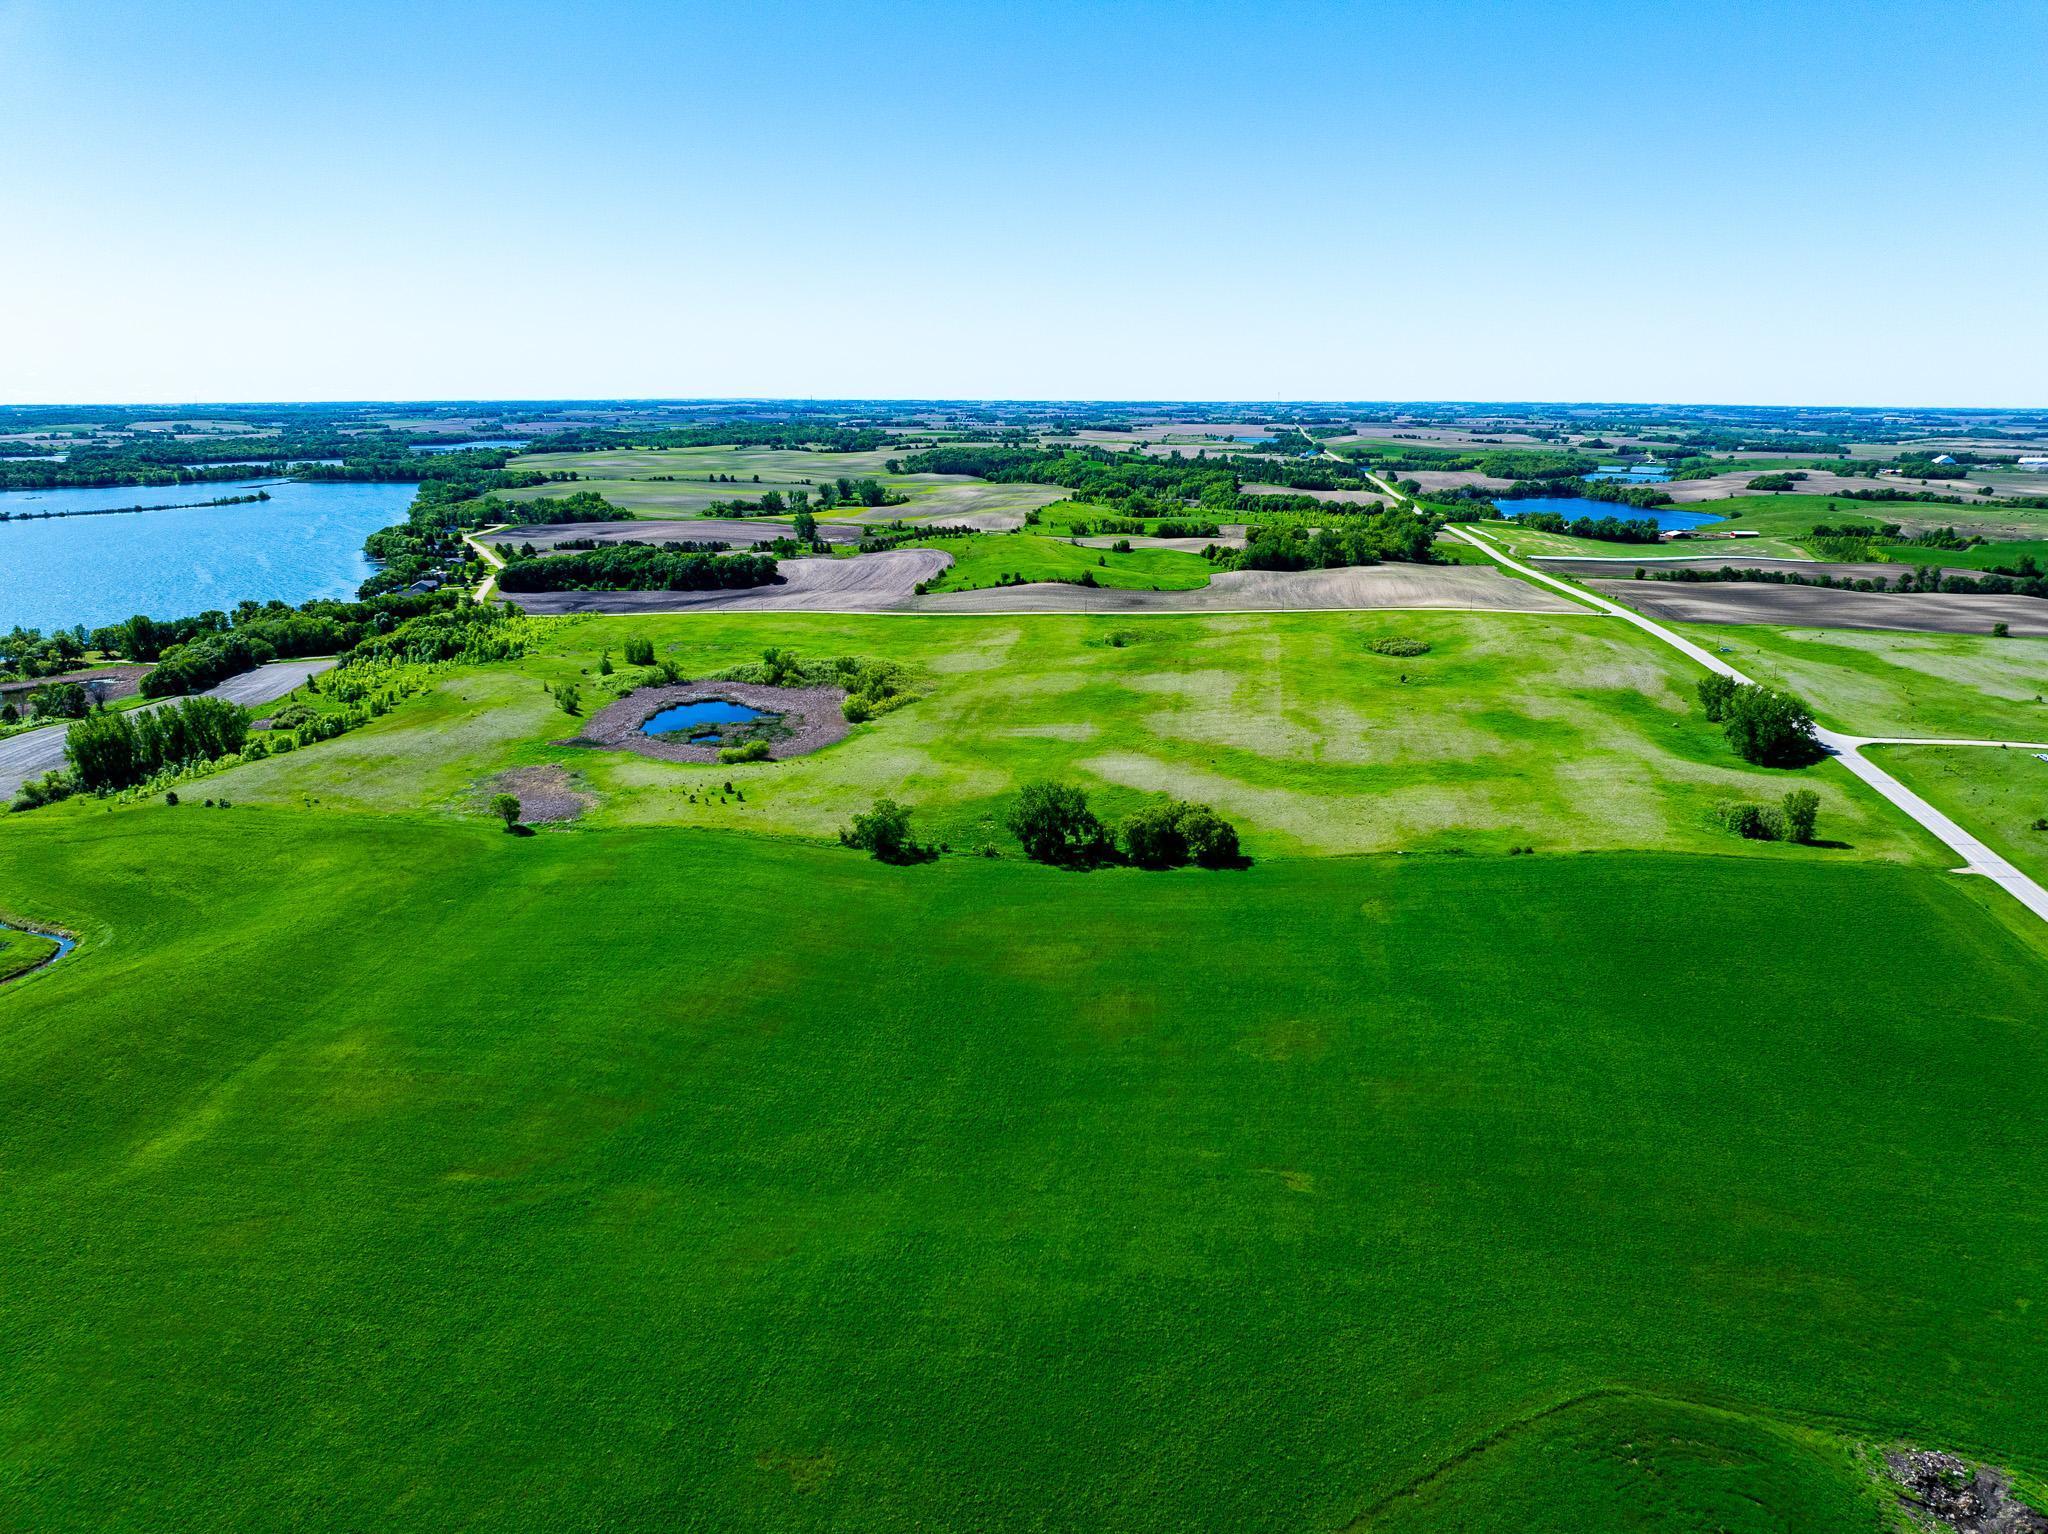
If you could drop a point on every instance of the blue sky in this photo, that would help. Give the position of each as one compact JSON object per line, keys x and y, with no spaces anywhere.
{"x":1838,"y":203}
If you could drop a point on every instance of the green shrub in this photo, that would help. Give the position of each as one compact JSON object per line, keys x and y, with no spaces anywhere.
{"x":884,"y":832}
{"x":1054,"y":824}
{"x":1802,"y":815}
{"x":47,"y":789}
{"x":752,"y":751}
{"x":1745,"y":820}
{"x":1398,"y":646}
{"x":506,"y":808}
{"x":639,"y":651}
{"x":1152,"y":837}
{"x":857,"y":709}
{"x":569,"y":698}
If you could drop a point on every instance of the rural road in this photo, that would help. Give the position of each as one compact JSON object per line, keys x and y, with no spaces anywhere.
{"x":1847,"y":749}
{"x":39,"y":751}
{"x":489,"y":556}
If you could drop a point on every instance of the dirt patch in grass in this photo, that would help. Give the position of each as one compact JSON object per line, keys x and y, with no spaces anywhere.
{"x":811,"y":719}
{"x":1951,"y":1493}
{"x":544,"y":793}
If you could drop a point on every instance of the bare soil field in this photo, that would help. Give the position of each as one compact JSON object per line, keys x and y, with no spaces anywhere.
{"x":1722,"y":486}
{"x":1225,"y":539}
{"x":1356,"y":588}
{"x":887,"y":582}
{"x":1820,"y":607}
{"x":749,"y":530}
{"x":864,"y":583}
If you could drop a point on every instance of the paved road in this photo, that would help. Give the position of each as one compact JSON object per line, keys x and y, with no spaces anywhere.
{"x":39,"y":751}
{"x":1847,"y":749}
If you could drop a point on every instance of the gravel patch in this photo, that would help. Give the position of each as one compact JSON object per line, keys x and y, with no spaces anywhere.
{"x":810,"y":715}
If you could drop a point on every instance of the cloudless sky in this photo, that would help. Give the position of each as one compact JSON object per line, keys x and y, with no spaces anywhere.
{"x":1626,"y":200}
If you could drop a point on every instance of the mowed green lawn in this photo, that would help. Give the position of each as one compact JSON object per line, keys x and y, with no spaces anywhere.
{"x":1554,"y":732}
{"x":373,"y":1172}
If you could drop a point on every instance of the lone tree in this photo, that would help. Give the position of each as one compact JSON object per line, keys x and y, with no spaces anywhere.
{"x":805,"y":526}
{"x":1054,"y":823}
{"x":1770,"y":728}
{"x":506,"y":808}
{"x":884,"y":833}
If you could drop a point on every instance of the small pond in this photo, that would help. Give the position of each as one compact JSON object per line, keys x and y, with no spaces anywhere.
{"x":1572,"y":507}
{"x":704,"y":722}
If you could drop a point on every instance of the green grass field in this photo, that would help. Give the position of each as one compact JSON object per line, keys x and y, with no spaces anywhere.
{"x":1530,"y":541}
{"x":987,"y":560}
{"x":1514,"y":730}
{"x":1889,"y":683}
{"x":1998,"y":794}
{"x":376,"y":1172}
{"x":368,"y":1167}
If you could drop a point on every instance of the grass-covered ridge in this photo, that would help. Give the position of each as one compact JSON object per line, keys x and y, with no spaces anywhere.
{"x":411,"y":1175}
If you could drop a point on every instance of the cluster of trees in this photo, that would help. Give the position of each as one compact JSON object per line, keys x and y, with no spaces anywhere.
{"x":110,"y":750}
{"x":1793,"y":818}
{"x":1397,"y":535}
{"x":1502,"y":463}
{"x":1054,"y":824}
{"x":1620,"y":494}
{"x":1766,"y":727}
{"x":1786,"y":481}
{"x":206,"y":661}
{"x":831,"y":494}
{"x":623,"y":567}
{"x":1601,"y":529}
{"x":470,"y":633}
{"x":53,"y":700}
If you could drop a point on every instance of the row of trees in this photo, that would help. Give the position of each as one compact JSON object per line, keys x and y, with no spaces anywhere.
{"x":1055,"y":825}
{"x":1601,"y":529}
{"x":629,"y":567}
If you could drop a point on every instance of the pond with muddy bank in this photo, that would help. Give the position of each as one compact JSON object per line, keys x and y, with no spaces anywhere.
{"x":694,"y":721}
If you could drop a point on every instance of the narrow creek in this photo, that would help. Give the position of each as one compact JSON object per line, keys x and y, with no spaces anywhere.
{"x":64,"y":941}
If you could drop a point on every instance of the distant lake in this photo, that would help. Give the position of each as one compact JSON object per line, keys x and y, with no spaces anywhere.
{"x":1573,"y":507}
{"x":306,"y":541}
{"x":463,"y":447}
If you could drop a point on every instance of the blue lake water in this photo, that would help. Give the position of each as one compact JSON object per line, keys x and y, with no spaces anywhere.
{"x":463,"y":447}
{"x":306,"y":541}
{"x":1639,"y":475}
{"x":1572,"y":507}
{"x":692,"y":718}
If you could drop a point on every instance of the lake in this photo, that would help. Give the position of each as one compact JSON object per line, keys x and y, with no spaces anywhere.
{"x":306,"y":541}
{"x":700,"y":720}
{"x":1572,"y":507}
{"x":464,"y":447}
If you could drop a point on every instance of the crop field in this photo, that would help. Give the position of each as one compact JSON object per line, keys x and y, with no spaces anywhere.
{"x":379,"y":1169}
{"x":1555,"y":732}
